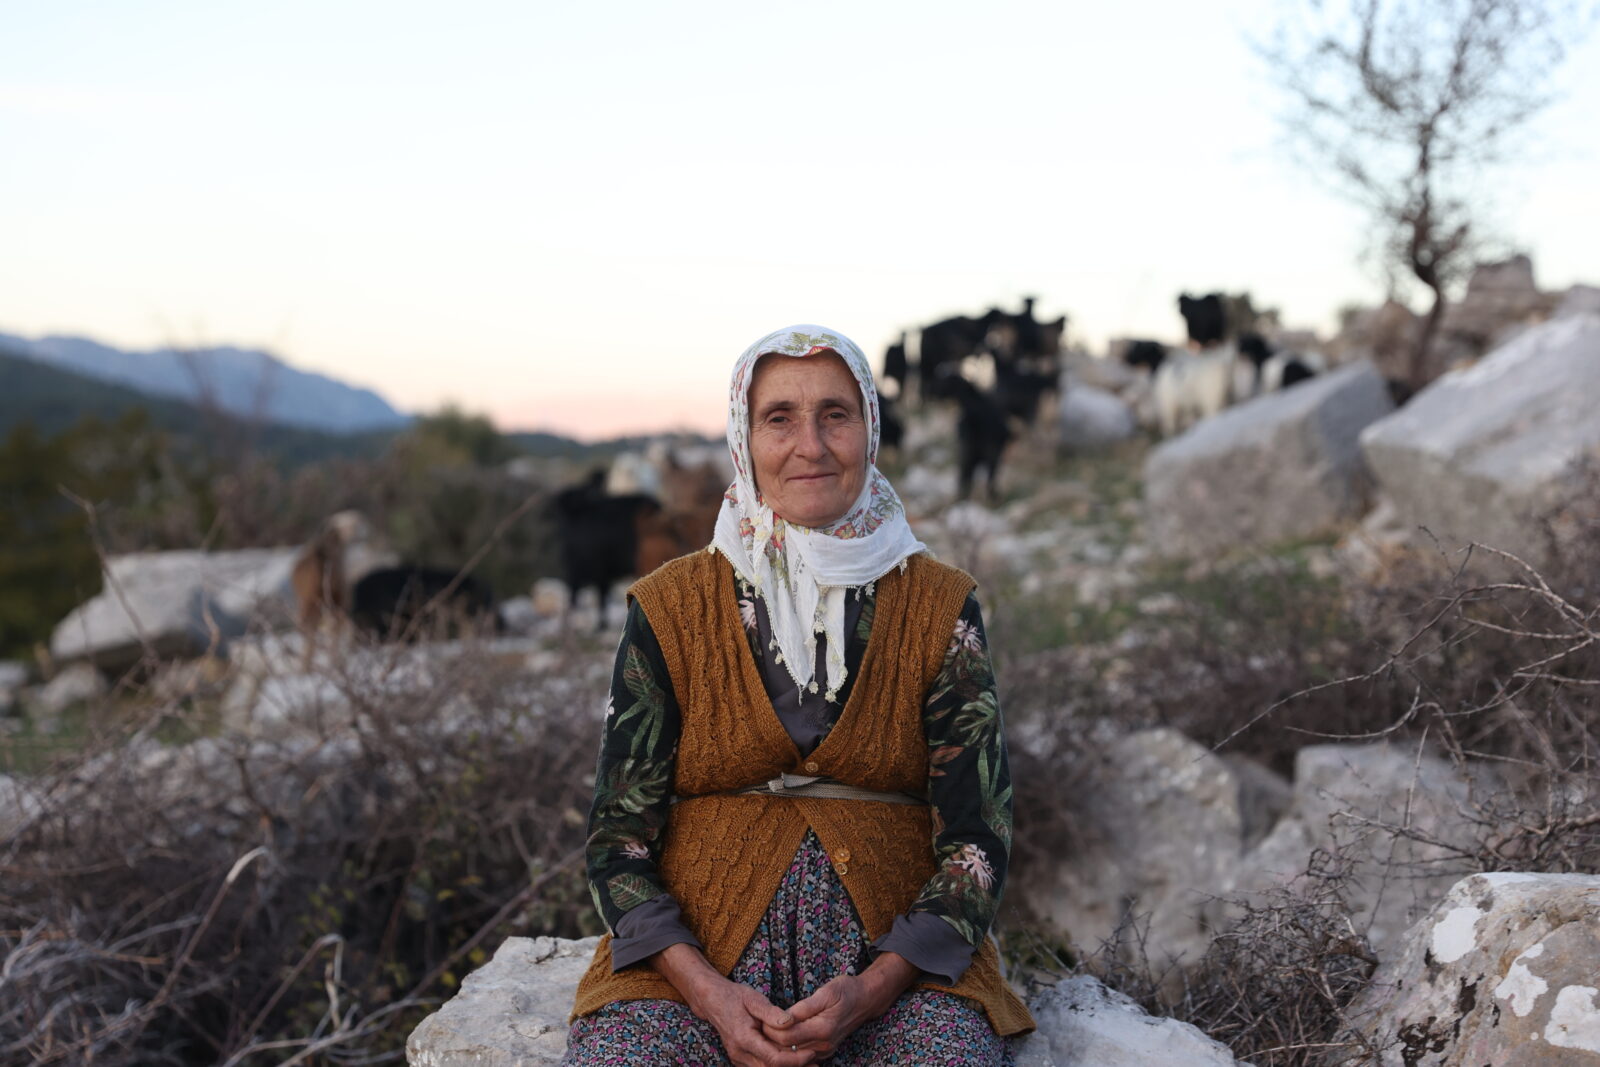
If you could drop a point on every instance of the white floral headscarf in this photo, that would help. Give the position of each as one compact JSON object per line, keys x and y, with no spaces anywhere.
{"x":802,"y":572}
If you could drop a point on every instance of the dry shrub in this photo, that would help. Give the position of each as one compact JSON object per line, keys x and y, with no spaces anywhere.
{"x":1274,"y":985}
{"x":306,"y":894}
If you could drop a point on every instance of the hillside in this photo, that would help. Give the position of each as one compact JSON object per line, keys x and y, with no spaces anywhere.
{"x":251,"y":384}
{"x":52,"y":400}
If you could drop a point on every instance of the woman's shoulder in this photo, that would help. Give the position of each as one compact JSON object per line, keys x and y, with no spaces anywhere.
{"x":684,"y":572}
{"x":922,"y":567}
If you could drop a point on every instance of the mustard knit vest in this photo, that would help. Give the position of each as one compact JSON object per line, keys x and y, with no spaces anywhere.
{"x":723,"y":856}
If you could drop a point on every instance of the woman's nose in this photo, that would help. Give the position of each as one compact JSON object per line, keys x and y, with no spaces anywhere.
{"x":811,"y":438}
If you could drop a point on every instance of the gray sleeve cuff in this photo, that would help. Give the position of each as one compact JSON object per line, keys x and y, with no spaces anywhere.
{"x":930,"y":943}
{"x":647,"y":929}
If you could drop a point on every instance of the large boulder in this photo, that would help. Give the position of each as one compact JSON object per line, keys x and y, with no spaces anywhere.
{"x":1351,"y":801}
{"x":1482,"y":452}
{"x":177,"y":604}
{"x":1502,"y":971}
{"x":1161,"y":832}
{"x":512,"y":1012}
{"x":1280,"y":466}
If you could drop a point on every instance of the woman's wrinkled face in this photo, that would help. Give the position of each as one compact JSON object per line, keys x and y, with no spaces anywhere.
{"x":808,"y":437}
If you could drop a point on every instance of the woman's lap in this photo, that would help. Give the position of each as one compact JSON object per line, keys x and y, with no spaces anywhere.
{"x":925,"y":1028}
{"x":809,"y":934}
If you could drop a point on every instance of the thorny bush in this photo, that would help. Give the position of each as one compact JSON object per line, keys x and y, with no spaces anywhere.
{"x":306,"y":894}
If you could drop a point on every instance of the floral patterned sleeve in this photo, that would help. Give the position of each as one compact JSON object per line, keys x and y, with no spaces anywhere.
{"x":970,"y":790}
{"x":629,"y":814}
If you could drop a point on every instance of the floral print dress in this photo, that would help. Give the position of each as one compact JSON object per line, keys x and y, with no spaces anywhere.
{"x":810,"y":932}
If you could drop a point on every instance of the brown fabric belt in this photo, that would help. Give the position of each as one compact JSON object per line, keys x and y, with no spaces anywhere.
{"x":799,"y":785}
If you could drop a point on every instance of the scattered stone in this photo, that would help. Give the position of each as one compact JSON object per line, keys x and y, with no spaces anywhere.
{"x":183,"y":680}
{"x":1501,"y":971}
{"x":77,"y":684}
{"x":177,"y":604}
{"x":551,"y":598}
{"x":286,"y":705}
{"x":13,"y":676}
{"x":923,"y":486}
{"x":1484,"y":453}
{"x":1092,"y":418}
{"x":519,"y":615}
{"x":1084,"y":1024}
{"x":19,"y":804}
{"x":1281,"y":466}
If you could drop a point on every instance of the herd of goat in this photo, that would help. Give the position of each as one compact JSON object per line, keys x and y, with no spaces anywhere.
{"x":996,"y":369}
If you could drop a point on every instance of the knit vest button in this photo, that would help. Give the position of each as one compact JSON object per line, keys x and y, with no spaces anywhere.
{"x":842,"y":868}
{"x":811,"y":767}
{"x":842,"y":855}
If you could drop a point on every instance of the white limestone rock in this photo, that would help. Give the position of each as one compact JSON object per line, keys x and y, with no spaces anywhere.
{"x":1281,"y":466}
{"x":1163,"y":833}
{"x":1092,"y":418}
{"x":177,"y":604}
{"x":76,"y":684}
{"x":1084,"y":1024}
{"x":511,"y":1012}
{"x":1483,"y":451}
{"x":551,"y":598}
{"x":19,"y":804}
{"x":519,"y":615}
{"x":13,"y":676}
{"x":1109,"y":373}
{"x":1345,"y":799}
{"x":1580,"y":299}
{"x":1502,"y":971}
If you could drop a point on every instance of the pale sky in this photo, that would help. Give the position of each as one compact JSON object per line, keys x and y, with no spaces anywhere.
{"x":575,"y":216}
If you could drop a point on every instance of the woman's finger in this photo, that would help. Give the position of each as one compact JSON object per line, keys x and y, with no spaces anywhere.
{"x":764,"y":1011}
{"x":824,"y":999}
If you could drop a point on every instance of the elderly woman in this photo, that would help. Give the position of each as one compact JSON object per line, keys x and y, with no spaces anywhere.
{"x":802,"y":808}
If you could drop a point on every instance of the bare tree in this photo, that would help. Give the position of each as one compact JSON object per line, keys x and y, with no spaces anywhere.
{"x":1412,"y":103}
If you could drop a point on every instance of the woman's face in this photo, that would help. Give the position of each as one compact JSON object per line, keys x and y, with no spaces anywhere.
{"x":808,"y":437}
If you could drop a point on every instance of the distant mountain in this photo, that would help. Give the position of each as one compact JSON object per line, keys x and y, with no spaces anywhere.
{"x":251,"y":384}
{"x":51,"y":400}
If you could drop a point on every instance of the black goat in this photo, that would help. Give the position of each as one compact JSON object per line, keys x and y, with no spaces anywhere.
{"x":394,"y":602}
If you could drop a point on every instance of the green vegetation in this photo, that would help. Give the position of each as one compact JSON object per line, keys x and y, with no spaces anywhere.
{"x":47,"y":559}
